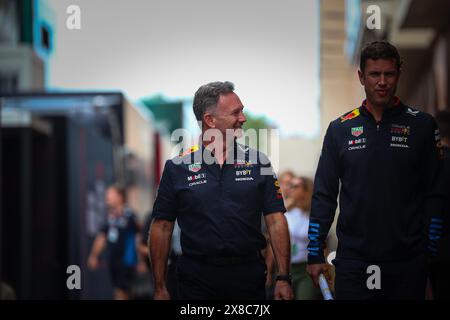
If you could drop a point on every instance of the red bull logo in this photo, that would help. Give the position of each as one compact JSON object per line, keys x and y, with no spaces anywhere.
{"x":351,"y":115}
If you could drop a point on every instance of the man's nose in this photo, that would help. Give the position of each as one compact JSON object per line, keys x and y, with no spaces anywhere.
{"x":242,"y":117}
{"x":382,"y":81}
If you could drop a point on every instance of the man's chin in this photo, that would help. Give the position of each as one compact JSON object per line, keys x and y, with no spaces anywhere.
{"x":238,"y":133}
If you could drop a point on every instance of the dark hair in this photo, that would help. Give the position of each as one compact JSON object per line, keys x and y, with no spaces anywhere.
{"x":120,"y":189}
{"x":379,"y":50}
{"x":443,"y":121}
{"x":208,"y":95}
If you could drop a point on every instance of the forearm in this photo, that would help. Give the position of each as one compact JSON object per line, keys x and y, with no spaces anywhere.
{"x":320,"y":221}
{"x":269,"y":259}
{"x":280,"y":241}
{"x":99,"y":245}
{"x":159,"y":247}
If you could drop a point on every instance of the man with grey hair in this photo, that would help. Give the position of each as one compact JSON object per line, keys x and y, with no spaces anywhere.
{"x":218,"y":205}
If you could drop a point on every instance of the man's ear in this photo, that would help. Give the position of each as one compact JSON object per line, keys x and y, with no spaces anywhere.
{"x":361,"y":77}
{"x":208,"y":119}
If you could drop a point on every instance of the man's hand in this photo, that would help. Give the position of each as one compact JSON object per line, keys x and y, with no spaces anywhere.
{"x":314,"y":270}
{"x":141,"y":267}
{"x":283,"y":291}
{"x":161,"y":294}
{"x":92,"y":262}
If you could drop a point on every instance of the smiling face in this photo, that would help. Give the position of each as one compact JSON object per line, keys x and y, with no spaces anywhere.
{"x":228,"y":114}
{"x":380,"y":78}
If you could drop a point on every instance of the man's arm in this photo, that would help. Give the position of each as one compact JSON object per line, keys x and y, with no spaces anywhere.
{"x":159,"y":247}
{"x":269,"y":260}
{"x":97,"y":248}
{"x":323,"y":209}
{"x":159,"y":240}
{"x":279,"y":238}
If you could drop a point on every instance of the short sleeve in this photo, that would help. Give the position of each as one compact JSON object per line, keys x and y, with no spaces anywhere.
{"x":165,"y":206}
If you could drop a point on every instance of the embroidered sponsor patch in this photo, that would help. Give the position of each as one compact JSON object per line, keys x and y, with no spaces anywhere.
{"x":400,"y":130}
{"x":243,"y":172}
{"x":356,"y":141}
{"x":357,"y":147}
{"x":196,"y":177}
{"x":197,"y":182}
{"x":412,"y":112}
{"x":279,"y":195}
{"x":242,"y":164}
{"x":399,"y":139}
{"x":357,"y":131}
{"x":355,"y":113}
{"x":399,"y":145}
{"x":195,"y":167}
{"x":244,"y":179}
{"x":190,"y":150}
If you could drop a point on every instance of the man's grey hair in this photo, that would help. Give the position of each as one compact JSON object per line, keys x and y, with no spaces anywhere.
{"x":207,"y":96}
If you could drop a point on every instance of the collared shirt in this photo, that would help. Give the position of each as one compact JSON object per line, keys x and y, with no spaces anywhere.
{"x":387,"y":175}
{"x":219,"y":208}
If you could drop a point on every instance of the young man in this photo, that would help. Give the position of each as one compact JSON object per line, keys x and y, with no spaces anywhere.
{"x":218,"y":193}
{"x":120,"y":233}
{"x":386,"y":159}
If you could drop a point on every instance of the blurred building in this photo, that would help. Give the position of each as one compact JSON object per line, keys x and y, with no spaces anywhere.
{"x":169,"y":114}
{"x":420,"y":30}
{"x":64,"y":149}
{"x":26,"y":42}
{"x":340,"y":90}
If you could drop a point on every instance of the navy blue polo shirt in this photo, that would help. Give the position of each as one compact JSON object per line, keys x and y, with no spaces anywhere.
{"x":219,"y":208}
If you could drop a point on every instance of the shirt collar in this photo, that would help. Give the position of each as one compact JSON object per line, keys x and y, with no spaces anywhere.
{"x":396,"y":108}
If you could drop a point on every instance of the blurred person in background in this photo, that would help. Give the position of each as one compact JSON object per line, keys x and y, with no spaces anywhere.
{"x":440,"y":264}
{"x":284,"y":179}
{"x":297,"y":216}
{"x":121,"y":234}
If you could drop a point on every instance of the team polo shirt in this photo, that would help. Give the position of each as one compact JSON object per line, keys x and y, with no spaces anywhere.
{"x":218,"y":208}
